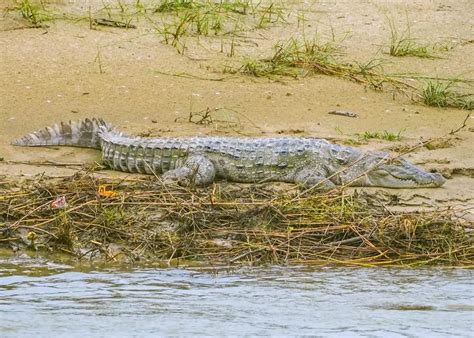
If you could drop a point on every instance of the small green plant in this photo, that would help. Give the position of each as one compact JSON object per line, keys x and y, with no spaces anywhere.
{"x":241,"y":7}
{"x":301,"y":57}
{"x":205,"y":17}
{"x":231,"y":52}
{"x":270,"y":15}
{"x":35,"y":14}
{"x":98,"y":60}
{"x":439,"y":94}
{"x":199,"y":18}
{"x":384,"y":135}
{"x":176,"y":5}
{"x":436,"y":94}
{"x":112,"y":216}
{"x":403,"y":44}
{"x":255,"y":68}
{"x":121,"y":5}
{"x":301,"y":19}
{"x":174,"y":33}
{"x":140,"y":7}
{"x":294,"y":57}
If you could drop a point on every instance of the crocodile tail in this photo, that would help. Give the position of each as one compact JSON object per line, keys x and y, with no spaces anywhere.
{"x":81,"y":133}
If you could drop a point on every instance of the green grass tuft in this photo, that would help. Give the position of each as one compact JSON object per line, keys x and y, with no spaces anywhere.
{"x":297,"y":57}
{"x":442,"y":94}
{"x":384,"y":135}
{"x":33,"y":13}
{"x":176,"y":5}
{"x":302,"y":57}
{"x":206,"y":18}
{"x":403,"y":44}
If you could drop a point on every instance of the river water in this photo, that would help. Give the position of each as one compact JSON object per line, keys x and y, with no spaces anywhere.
{"x":39,"y":298}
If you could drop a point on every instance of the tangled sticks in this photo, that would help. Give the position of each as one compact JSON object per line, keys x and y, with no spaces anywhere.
{"x":136,"y":219}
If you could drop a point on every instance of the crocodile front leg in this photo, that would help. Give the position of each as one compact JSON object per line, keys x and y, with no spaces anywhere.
{"x":309,"y":178}
{"x":197,"y":169}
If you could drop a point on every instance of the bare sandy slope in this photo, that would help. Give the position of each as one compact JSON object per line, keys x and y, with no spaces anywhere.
{"x":53,"y":74}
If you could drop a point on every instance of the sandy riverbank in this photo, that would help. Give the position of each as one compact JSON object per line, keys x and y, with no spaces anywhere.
{"x":69,"y":71}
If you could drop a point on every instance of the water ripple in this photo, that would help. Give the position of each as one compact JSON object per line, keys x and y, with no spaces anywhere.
{"x":38,"y":297}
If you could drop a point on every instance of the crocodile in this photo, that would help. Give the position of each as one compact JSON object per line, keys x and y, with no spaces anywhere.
{"x":308,"y":162}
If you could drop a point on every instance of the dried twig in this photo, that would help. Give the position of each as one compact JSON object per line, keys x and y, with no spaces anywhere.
{"x":112,"y":23}
{"x":141,"y":218}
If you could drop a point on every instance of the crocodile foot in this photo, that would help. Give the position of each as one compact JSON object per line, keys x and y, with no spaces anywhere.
{"x":197,"y":170}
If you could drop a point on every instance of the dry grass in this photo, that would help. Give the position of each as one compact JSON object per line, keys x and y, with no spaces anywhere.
{"x":140,"y":219}
{"x":305,"y":57}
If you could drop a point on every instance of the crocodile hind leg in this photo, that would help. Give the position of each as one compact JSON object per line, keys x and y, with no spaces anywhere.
{"x":311,"y":178}
{"x":198,"y":170}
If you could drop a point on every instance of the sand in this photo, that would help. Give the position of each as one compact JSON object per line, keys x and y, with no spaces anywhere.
{"x":69,"y":71}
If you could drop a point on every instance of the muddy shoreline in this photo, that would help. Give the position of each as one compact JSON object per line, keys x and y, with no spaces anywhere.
{"x":138,"y":220}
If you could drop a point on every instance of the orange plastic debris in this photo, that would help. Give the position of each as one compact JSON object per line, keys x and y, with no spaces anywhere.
{"x":106,"y":193}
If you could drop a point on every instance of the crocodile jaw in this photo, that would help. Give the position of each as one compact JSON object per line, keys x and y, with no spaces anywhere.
{"x":400,"y":174}
{"x":379,"y":170}
{"x":388,"y":180}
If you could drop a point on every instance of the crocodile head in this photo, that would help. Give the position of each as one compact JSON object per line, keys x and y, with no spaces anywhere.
{"x":378,"y":170}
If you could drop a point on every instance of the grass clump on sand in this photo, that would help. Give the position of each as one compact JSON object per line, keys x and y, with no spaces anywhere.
{"x":223,"y":6}
{"x":303,"y":57}
{"x":295,"y":57}
{"x":176,"y":5}
{"x":35,"y":14}
{"x":187,"y":18}
{"x":442,"y":94}
{"x":384,"y":135}
{"x":139,"y":219}
{"x":403,"y":44}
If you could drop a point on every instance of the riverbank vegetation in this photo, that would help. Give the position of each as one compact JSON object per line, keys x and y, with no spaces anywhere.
{"x":224,"y":27}
{"x":138,"y":219}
